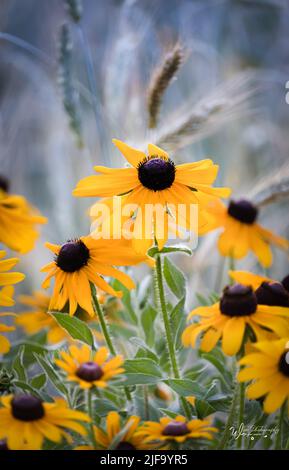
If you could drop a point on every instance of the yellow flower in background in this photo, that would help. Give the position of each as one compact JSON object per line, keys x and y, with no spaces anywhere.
{"x":241,"y":233}
{"x":89,"y":370}
{"x":8,"y":279}
{"x":176,"y":429}
{"x":228,"y":319}
{"x":25,"y":421}
{"x":130,"y":440}
{"x":4,"y":342}
{"x":268,"y":291}
{"x":81,"y":262}
{"x":18,"y":221}
{"x":37,"y":319}
{"x":268,"y":368}
{"x":154,"y":179}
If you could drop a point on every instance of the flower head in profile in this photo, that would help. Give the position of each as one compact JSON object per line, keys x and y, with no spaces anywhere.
{"x":108,"y":438}
{"x":176,"y":429}
{"x":7,"y":280}
{"x":241,"y":233}
{"x":268,"y":291}
{"x":37,"y":319}
{"x":89,"y":370}
{"x":228,"y":319}
{"x":18,"y":220}
{"x":80,"y":262}
{"x":26,"y":421}
{"x":154,"y":179}
{"x":268,"y":369}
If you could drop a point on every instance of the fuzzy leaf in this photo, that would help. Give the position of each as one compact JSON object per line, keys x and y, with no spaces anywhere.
{"x":39,"y":381}
{"x":185,"y":387}
{"x":175,"y":279}
{"x":153,"y":251}
{"x":52,"y":375}
{"x":76,"y":328}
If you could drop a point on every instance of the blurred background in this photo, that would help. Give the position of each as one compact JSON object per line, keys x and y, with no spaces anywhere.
{"x":228,"y":102}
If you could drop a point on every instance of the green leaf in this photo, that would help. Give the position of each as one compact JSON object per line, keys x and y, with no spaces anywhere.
{"x":147,"y":320}
{"x":18,"y":366}
{"x":202,"y":299}
{"x":103,"y":406}
{"x":142,"y":366}
{"x":178,"y":321}
{"x":169,"y":413}
{"x":203,"y":408}
{"x":186,"y":387}
{"x":153,"y":251}
{"x":139,"y":379}
{"x":76,"y":328}
{"x":39,"y":381}
{"x":126,"y":301}
{"x":175,"y":279}
{"x":27,"y":388}
{"x":52,"y":375}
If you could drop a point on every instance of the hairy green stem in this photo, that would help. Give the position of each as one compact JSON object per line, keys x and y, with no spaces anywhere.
{"x":98,"y":310}
{"x":279,"y":435}
{"x":89,"y":406}
{"x":230,"y":420}
{"x":169,"y":337}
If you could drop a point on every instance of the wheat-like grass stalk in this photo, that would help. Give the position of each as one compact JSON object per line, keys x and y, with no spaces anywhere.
{"x":192,"y":122}
{"x":273,"y":188}
{"x":66,"y":83}
{"x":74,"y":8}
{"x":161,"y":79}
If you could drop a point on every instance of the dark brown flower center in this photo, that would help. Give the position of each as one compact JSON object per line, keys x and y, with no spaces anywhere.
{"x":156,"y":173}
{"x":176,"y":428}
{"x":4,"y":183}
{"x":284,"y":364}
{"x":272,"y":293}
{"x":72,"y":256}
{"x":285,"y":283}
{"x":238,"y":301}
{"x":3,"y":445}
{"x":125,"y":446}
{"x":89,"y":371}
{"x":27,"y":408}
{"x":243,"y":211}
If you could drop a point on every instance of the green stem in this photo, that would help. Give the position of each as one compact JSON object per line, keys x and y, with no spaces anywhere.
{"x":241,"y":412}
{"x":98,"y":310}
{"x":90,"y":414}
{"x":231,"y":266}
{"x":279,"y":435}
{"x":146,"y":403}
{"x":230,"y":420}
{"x":241,"y":391}
{"x":169,"y":337}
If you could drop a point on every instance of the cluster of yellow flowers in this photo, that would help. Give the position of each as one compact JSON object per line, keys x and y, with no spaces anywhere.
{"x":250,"y":318}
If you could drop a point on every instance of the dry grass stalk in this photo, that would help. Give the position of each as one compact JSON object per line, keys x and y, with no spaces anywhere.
{"x":228,"y":101}
{"x":161,"y":79}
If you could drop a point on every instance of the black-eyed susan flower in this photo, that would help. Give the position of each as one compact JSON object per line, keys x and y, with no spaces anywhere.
{"x":37,"y":319}
{"x":25,"y":421}
{"x":155,"y":179}
{"x":227,"y":320}
{"x":81,"y":262}
{"x":176,"y":429}
{"x":240,"y":232}
{"x":18,"y":221}
{"x":90,"y":370}
{"x":268,"y":369}
{"x":130,"y":440}
{"x":268,"y":291}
